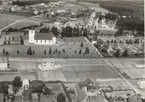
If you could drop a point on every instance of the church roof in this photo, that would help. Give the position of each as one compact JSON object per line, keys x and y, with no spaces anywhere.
{"x":44,"y":36}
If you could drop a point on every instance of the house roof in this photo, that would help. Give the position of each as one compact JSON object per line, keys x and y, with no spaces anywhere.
{"x":44,"y":36}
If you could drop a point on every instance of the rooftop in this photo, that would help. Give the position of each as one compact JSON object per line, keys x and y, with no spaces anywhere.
{"x":44,"y":36}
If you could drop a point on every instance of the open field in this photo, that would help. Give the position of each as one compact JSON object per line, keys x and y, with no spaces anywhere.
{"x":6,"y":19}
{"x":25,"y":23}
{"x":69,"y":6}
{"x":78,"y":71}
{"x":93,"y":5}
{"x":117,"y":84}
{"x":126,"y":66}
{"x":10,"y":77}
{"x":135,"y":7}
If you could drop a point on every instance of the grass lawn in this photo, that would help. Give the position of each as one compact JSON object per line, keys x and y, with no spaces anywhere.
{"x":71,"y":49}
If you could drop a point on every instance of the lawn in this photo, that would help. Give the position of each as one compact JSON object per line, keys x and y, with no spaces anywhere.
{"x":72,"y":47}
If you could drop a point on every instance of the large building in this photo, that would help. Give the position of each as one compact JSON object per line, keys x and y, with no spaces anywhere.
{"x":41,"y":38}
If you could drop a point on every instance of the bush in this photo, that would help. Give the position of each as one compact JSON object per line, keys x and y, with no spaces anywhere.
{"x":117,"y":54}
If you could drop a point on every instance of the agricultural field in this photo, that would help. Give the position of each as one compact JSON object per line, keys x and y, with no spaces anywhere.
{"x":128,"y":66}
{"x":116,"y":84}
{"x":93,"y":5}
{"x":135,"y":7}
{"x":69,"y":6}
{"x":78,"y":71}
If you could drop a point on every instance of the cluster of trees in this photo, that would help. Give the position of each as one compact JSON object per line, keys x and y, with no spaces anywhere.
{"x":17,"y":83}
{"x":73,"y":32}
{"x":30,"y":51}
{"x":107,"y":16}
{"x":83,"y":13}
{"x":45,"y":30}
{"x":55,"y":31}
{"x":130,"y":24}
{"x":118,"y":54}
{"x":5,"y":52}
{"x":24,"y":3}
{"x":54,"y":52}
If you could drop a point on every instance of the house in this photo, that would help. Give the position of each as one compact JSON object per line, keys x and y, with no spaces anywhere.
{"x":26,"y":84}
{"x":41,"y":38}
{"x":4,"y":66}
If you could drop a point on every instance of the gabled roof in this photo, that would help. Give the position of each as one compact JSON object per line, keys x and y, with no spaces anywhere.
{"x":44,"y":36}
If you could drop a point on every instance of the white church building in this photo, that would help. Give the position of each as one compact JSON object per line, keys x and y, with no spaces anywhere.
{"x":41,"y":38}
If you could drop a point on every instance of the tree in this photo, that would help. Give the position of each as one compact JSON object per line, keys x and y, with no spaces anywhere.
{"x":87,"y":51}
{"x":13,"y":38}
{"x":54,"y":30}
{"x":29,"y":51}
{"x":61,"y":98}
{"x":63,"y":50}
{"x":7,"y":53}
{"x":17,"y":82}
{"x":117,"y":54}
{"x":136,"y":41}
{"x":81,"y":44}
{"x":21,"y":41}
{"x":18,"y":52}
{"x":56,"y":50}
{"x":59,"y":52}
{"x":41,"y":24}
{"x":8,"y":42}
{"x":49,"y":50}
{"x":125,"y":53}
{"x":80,"y":51}
{"x":47,"y":91}
{"x":75,"y":51}
{"x":4,"y":42}
{"x":100,"y":42}
{"x":33,"y":52}
{"x":4,"y":51}
{"x":45,"y":52}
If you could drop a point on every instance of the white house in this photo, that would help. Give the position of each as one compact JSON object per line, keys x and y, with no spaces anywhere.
{"x":26,"y":84}
{"x":4,"y":66}
{"x":41,"y":38}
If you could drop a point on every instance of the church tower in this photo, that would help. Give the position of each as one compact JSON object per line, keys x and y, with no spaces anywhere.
{"x":31,"y":36}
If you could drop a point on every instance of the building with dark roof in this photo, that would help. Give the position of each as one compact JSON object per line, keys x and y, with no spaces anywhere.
{"x":41,"y":38}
